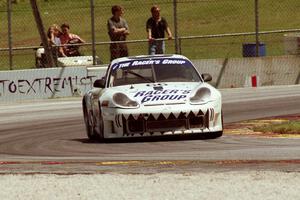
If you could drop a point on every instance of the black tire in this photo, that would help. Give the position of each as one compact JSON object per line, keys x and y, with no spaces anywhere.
{"x":218,"y":134}
{"x":101,"y":128}
{"x":89,"y":125}
{"x":215,"y":135}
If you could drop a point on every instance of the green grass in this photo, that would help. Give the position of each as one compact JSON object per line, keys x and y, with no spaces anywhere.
{"x":195,"y":17}
{"x":291,"y":127}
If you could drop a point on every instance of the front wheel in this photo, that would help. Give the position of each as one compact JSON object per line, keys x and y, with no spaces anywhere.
{"x":101,"y":127}
{"x":219,"y":133}
{"x":90,"y":125}
{"x":215,"y":135}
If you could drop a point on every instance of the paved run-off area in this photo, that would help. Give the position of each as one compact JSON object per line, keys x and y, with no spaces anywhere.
{"x":227,"y":179}
{"x":213,"y":185}
{"x":184,"y":179}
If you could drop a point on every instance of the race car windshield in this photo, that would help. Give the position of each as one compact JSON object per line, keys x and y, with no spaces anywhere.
{"x":140,"y":76}
{"x":132,"y":75}
{"x":145,"y":71}
{"x":176,"y":73}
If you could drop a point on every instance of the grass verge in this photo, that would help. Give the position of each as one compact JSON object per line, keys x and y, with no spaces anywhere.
{"x":289,"y":127}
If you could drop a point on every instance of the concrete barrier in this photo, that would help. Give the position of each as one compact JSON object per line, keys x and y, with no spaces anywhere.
{"x":235,"y":72}
{"x":46,"y":83}
{"x":75,"y":81}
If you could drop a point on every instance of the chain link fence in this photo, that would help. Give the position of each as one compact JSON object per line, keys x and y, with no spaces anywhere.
{"x":203,"y":28}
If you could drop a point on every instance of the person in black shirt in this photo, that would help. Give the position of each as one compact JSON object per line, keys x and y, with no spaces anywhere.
{"x":156,"y":27}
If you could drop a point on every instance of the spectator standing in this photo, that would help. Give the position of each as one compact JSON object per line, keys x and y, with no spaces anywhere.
{"x":156,"y":27}
{"x":117,"y":31}
{"x":69,"y":38}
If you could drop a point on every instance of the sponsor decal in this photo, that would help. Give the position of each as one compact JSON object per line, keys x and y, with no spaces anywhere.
{"x":149,"y":62}
{"x":161,"y":95}
{"x":145,"y":62}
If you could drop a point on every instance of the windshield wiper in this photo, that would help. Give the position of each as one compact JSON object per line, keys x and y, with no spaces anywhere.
{"x":140,"y":76}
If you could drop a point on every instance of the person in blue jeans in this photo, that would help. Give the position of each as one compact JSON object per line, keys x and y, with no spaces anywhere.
{"x":156,"y":27}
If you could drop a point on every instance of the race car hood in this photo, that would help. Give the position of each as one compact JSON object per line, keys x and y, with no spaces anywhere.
{"x":159,"y":93}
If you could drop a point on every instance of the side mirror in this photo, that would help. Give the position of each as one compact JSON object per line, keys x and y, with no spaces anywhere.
{"x":206,"y":77}
{"x":99,"y":83}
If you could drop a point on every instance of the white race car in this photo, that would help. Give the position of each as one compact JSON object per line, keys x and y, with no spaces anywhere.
{"x":152,"y":96}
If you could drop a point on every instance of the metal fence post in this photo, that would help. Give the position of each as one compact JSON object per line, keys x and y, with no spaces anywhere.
{"x":93,"y":31}
{"x":175,"y":26}
{"x":179,"y":41}
{"x":256,"y":28}
{"x":9,"y":34}
{"x":40,"y":26}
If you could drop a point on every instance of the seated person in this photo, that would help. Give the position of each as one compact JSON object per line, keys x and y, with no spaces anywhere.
{"x":53,"y":35}
{"x":69,"y":38}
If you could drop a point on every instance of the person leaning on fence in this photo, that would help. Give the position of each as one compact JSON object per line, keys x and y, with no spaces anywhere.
{"x":156,"y":27}
{"x":117,"y":31}
{"x":53,"y":34}
{"x":69,"y":38}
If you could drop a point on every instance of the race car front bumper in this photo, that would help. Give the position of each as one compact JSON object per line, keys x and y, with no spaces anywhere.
{"x":163,"y":120}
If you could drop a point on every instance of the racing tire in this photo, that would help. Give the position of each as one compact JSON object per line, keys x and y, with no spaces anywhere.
{"x":215,"y":135}
{"x":89,"y":125}
{"x":101,"y":128}
{"x":218,"y":134}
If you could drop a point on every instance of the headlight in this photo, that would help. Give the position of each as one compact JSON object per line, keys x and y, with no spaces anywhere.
{"x":122,"y":100}
{"x":201,"y":96}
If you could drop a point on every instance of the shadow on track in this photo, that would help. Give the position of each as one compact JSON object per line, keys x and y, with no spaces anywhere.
{"x":151,"y":139}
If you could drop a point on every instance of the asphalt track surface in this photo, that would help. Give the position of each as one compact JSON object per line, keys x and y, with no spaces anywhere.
{"x":53,"y":131}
